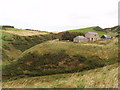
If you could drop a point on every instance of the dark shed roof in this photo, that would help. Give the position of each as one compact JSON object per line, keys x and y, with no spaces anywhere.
{"x":106,"y":36}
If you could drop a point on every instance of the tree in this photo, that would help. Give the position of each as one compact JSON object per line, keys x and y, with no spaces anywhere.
{"x":70,"y":35}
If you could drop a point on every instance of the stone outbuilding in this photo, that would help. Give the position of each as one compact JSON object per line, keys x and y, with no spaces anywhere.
{"x":79,"y":39}
{"x":92,"y":36}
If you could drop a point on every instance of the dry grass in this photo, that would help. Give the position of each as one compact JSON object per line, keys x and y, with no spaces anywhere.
{"x":26,"y":32}
{"x":103,"y":51}
{"x":106,"y":77}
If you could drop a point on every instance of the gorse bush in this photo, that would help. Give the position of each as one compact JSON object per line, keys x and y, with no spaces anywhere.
{"x":80,"y":58}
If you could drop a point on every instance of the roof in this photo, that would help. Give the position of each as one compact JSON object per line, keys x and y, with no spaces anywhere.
{"x":80,"y":37}
{"x":92,"y":33}
{"x":106,"y":36}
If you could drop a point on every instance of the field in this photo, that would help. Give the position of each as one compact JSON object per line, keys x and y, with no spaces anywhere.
{"x":39,"y":59}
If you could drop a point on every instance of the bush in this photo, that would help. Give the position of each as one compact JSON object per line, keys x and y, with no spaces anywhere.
{"x":94,"y":63}
{"x":70,"y":35}
{"x":80,"y":58}
{"x":118,"y":35}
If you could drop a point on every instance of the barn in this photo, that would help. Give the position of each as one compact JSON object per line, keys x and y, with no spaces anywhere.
{"x":92,"y":36}
{"x":79,"y":39}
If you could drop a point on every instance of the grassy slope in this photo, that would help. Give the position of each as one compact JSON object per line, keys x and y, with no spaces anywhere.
{"x":14,"y":44}
{"x":113,"y":29}
{"x":22,"y":32}
{"x":106,"y":77}
{"x":18,"y":40}
{"x":100,"y":31}
{"x":61,"y":57}
{"x":76,"y":48}
{"x":104,"y":50}
{"x":8,"y":50}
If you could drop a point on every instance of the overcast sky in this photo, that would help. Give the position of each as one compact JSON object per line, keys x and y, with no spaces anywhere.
{"x":58,"y":15}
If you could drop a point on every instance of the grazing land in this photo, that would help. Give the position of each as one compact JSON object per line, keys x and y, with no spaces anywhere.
{"x":99,"y":30}
{"x":39,"y":59}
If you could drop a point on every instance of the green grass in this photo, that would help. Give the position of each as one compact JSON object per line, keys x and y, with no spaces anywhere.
{"x":34,"y":57}
{"x":106,"y":77}
{"x":96,"y":29}
{"x":7,"y":47}
{"x":62,"y":57}
{"x":17,"y":44}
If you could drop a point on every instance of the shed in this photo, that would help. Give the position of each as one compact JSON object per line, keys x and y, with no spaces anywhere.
{"x":92,"y":36}
{"x":79,"y":39}
{"x":106,"y":37}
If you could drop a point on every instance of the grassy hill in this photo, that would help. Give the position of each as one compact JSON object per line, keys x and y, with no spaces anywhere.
{"x":14,"y":42}
{"x":62,"y":57}
{"x":113,"y":29}
{"x":97,"y":29}
{"x":24,"y":32}
{"x":106,"y":77}
{"x":35,"y":56}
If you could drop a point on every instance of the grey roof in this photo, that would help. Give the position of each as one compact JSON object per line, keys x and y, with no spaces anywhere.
{"x":92,"y":32}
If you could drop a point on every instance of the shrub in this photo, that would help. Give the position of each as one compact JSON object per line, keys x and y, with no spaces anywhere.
{"x":70,"y":35}
{"x":80,"y":58}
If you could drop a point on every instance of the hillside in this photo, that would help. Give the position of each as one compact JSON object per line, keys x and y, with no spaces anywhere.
{"x":62,"y":57}
{"x":113,"y":29}
{"x":24,"y":32}
{"x":97,"y":29}
{"x":14,"y":41}
{"x":106,"y":77}
{"x":39,"y":59}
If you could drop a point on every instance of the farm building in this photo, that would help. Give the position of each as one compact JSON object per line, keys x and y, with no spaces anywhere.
{"x":79,"y":39}
{"x":92,"y":36}
{"x":106,"y":37}
{"x":5,"y":26}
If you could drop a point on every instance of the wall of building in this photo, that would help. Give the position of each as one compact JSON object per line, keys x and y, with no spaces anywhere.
{"x":80,"y":40}
{"x":92,"y":37}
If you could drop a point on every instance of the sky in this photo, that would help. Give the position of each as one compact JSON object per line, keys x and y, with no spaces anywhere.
{"x":58,"y":15}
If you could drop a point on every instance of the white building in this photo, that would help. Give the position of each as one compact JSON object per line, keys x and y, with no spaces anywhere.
{"x":79,"y":39}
